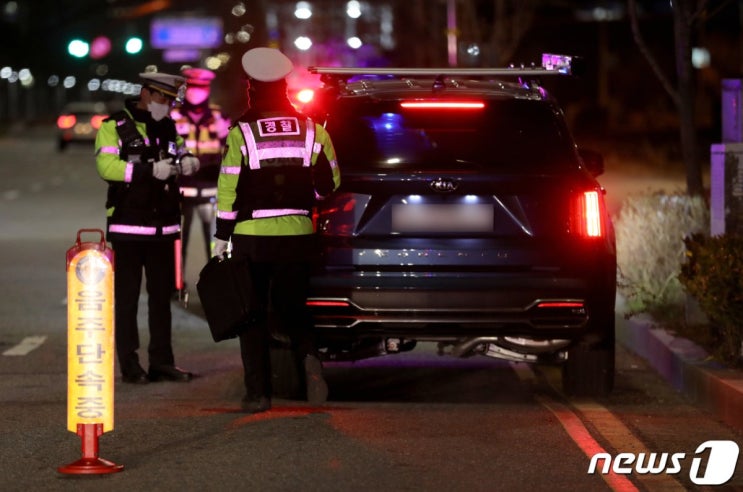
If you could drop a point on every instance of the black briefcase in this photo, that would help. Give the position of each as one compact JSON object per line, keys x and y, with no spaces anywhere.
{"x":226,"y":296}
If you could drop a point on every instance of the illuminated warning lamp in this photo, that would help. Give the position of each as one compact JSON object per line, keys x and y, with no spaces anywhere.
{"x":442,"y":104}
{"x":305,"y":95}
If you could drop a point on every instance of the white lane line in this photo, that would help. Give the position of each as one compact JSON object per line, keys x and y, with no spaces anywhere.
{"x":27,"y":345}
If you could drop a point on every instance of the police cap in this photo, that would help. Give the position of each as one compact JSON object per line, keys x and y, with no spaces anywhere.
{"x":266,"y":64}
{"x":171,"y":85}
{"x":198,"y":76}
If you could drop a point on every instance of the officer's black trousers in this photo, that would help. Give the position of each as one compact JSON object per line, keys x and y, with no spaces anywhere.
{"x":281,"y":282}
{"x":157,"y":260}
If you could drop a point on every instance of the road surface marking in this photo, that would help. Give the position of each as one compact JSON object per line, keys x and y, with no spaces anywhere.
{"x":619,"y":436}
{"x":27,"y":345}
{"x":613,"y":430}
{"x":575,"y":430}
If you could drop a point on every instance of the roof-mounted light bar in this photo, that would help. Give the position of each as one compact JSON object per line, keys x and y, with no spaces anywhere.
{"x":552,"y":64}
{"x":558,"y":63}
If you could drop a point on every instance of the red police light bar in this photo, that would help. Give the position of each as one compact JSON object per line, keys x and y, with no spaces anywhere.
{"x":442,"y":104}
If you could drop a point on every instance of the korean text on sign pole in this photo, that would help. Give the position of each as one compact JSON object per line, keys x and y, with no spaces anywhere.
{"x":90,"y":350}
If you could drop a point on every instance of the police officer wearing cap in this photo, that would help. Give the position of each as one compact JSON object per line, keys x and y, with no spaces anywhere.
{"x":277,"y":163}
{"x":204,"y":129}
{"x":140,"y":156}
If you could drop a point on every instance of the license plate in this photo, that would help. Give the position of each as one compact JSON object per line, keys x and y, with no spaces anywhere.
{"x":442,"y":217}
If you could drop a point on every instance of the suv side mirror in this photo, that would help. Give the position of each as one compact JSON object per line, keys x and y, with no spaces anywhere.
{"x":593,"y":161}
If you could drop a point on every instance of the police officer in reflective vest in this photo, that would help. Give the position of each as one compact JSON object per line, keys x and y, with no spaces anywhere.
{"x":277,"y":163}
{"x":204,"y":131}
{"x":140,"y":155}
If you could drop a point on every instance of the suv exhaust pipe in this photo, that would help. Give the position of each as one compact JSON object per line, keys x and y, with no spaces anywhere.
{"x":514,"y":349}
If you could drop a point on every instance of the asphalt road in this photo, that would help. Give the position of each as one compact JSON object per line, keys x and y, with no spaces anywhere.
{"x":408,"y":422}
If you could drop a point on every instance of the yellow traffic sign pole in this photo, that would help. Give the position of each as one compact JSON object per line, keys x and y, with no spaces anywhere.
{"x":90,"y":350}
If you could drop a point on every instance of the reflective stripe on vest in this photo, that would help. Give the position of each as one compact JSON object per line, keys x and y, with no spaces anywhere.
{"x":222,"y":214}
{"x":278,"y":212}
{"x":229,"y":169}
{"x":143,"y":230}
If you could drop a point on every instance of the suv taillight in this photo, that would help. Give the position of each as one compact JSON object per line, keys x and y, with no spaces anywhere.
{"x":337,"y":216}
{"x":588,"y":215}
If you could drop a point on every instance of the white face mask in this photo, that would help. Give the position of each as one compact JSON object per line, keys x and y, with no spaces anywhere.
{"x":158,"y":110}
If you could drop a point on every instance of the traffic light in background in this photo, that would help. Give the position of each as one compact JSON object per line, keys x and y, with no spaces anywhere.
{"x":133,"y":45}
{"x":101,"y":47}
{"x":78,"y":48}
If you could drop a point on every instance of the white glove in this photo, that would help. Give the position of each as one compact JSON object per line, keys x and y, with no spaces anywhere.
{"x":189,"y":165}
{"x":220,"y":247}
{"x":163,"y":169}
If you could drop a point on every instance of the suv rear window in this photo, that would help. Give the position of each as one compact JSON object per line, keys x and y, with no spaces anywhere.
{"x":506,"y":135}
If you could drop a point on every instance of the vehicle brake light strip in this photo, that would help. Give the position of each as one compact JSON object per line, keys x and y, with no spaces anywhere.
{"x":442,"y":104}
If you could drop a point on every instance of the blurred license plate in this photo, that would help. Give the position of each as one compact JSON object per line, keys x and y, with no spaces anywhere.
{"x":441,"y":217}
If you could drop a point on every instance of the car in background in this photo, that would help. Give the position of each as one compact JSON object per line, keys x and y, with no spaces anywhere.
{"x":467,"y":216}
{"x":78,"y":123}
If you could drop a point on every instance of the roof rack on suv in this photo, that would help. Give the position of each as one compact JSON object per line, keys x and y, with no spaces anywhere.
{"x":551,"y":65}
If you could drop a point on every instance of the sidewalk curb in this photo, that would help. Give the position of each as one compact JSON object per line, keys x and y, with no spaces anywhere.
{"x":687,"y":368}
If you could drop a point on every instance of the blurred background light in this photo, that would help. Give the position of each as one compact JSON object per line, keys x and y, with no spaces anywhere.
{"x":303,"y":10}
{"x":303,"y":43}
{"x":69,"y":82}
{"x":353,"y":9}
{"x":239,"y":9}
{"x":700,"y":57}
{"x":100,"y":47}
{"x":133,"y":45}
{"x":78,"y":48}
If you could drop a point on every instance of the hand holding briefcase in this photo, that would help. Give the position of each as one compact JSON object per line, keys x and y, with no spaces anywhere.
{"x":226,"y":295}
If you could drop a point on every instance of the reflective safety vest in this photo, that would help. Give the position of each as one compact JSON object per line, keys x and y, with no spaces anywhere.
{"x":138,"y":205}
{"x":204,"y":139}
{"x":278,"y":151}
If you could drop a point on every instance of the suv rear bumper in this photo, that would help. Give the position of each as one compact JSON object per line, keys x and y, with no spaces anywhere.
{"x":436,"y":307}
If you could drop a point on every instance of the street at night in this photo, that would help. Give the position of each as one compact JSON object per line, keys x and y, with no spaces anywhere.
{"x":413,"y":421}
{"x":515,"y":226}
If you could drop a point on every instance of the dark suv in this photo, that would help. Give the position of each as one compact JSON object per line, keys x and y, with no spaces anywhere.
{"x":466,"y":216}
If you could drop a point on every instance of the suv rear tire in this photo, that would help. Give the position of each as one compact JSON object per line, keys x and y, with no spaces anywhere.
{"x":589,"y":369}
{"x":286,"y":378}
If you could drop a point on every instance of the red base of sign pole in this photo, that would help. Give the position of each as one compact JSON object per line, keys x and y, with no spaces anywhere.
{"x":90,"y":463}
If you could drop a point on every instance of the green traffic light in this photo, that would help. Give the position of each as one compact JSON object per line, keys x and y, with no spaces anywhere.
{"x":78,"y":48}
{"x":133,"y":45}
